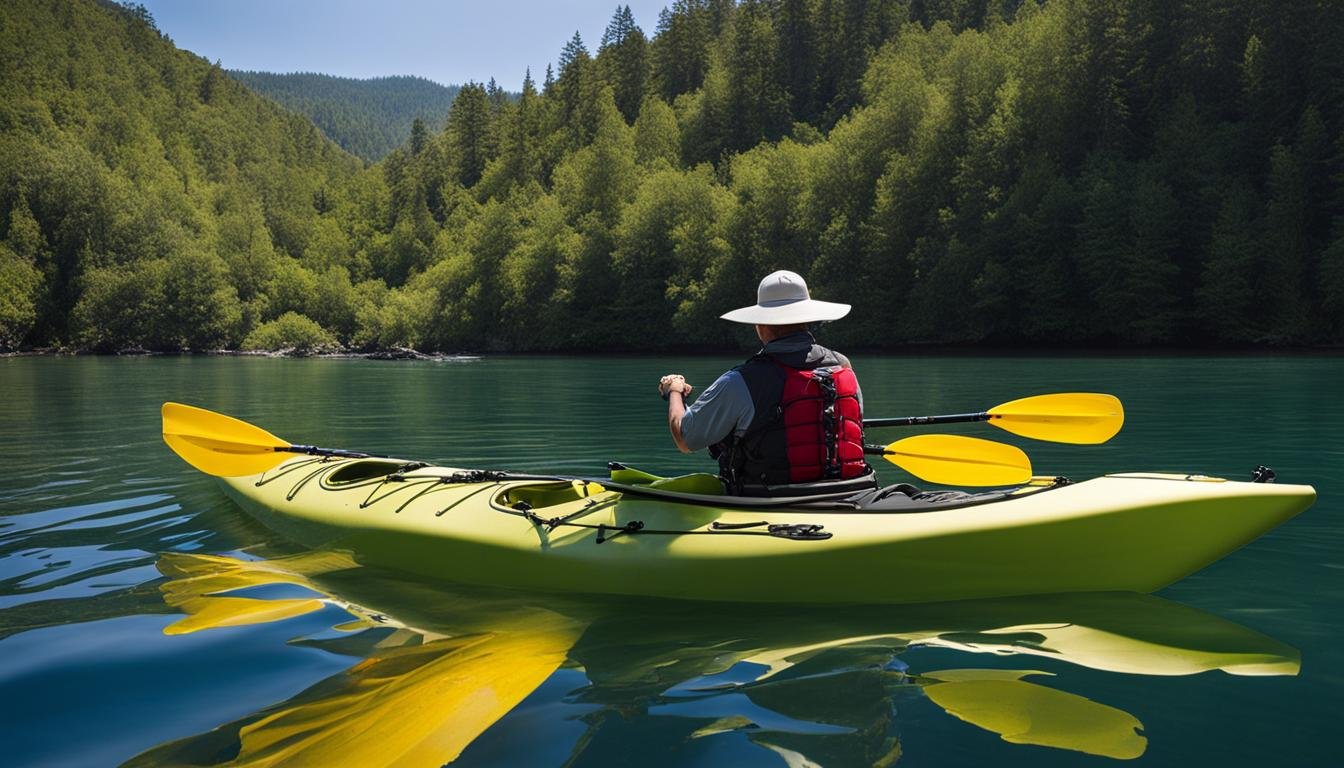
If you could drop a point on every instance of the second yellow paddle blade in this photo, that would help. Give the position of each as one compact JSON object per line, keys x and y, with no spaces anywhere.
{"x":217,"y":444}
{"x":1026,"y":713}
{"x":1082,"y":418}
{"x":959,"y":460}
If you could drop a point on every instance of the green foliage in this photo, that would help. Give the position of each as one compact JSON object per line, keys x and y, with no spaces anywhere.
{"x":19,"y":281}
{"x":600,"y":178}
{"x":154,"y":196}
{"x":528,"y":274}
{"x":291,"y":332}
{"x":622,"y":60}
{"x":669,"y":237}
{"x":1060,"y":172}
{"x":119,"y":306}
{"x":657,"y":137}
{"x":22,"y":250}
{"x":469,"y":133}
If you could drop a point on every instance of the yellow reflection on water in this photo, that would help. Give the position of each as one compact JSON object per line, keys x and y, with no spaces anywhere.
{"x":440,"y":665}
{"x":999,"y":700}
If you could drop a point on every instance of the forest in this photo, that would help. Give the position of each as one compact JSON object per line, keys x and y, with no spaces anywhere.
{"x":1070,"y":173}
{"x":369,"y":117}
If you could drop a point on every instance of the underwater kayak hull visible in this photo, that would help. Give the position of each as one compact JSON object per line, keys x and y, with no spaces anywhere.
{"x":1131,"y":532}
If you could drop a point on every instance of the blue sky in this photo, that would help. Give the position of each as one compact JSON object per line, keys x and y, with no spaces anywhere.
{"x":450,"y":42}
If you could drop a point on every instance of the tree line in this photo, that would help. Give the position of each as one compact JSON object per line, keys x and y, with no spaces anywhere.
{"x":1068,"y":172}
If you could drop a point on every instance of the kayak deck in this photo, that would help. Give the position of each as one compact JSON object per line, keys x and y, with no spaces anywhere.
{"x":1136,"y":532}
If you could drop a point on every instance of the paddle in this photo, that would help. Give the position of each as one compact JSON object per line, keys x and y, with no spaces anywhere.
{"x":1082,"y":418}
{"x":957,"y":460}
{"x":227,"y":447}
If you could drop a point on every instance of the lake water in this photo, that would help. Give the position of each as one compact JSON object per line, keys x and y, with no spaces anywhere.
{"x":115,"y":644}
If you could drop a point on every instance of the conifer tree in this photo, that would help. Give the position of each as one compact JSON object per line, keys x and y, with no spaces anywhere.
{"x":469,"y":133}
{"x":419,"y":136}
{"x":797,"y":52}
{"x":756,"y":102}
{"x":680,"y":51}
{"x":623,"y":60}
{"x":1227,"y":294}
{"x":572,"y":88}
{"x":518,"y":161}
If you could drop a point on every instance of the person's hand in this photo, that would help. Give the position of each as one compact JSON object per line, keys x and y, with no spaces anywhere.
{"x":673,"y":382}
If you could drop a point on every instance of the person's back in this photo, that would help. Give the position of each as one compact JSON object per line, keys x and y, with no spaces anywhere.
{"x":788,"y":421}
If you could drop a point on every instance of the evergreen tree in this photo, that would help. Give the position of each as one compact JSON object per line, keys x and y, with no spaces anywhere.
{"x":519,"y":161}
{"x":755,"y":97}
{"x":1228,"y":295}
{"x":680,"y":51}
{"x":623,"y":60}
{"x":469,"y":132}
{"x":496,"y":96}
{"x":572,"y":89}
{"x":419,"y":136}
{"x":1282,"y":292}
{"x":797,"y":51}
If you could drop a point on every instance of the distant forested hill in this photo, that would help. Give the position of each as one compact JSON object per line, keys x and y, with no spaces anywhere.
{"x":368,"y":118}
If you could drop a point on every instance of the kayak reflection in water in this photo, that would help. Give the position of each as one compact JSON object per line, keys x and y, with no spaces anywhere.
{"x":591,"y":681}
{"x":788,"y":421}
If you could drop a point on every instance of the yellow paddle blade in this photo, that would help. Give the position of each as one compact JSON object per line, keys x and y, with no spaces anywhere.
{"x":1083,"y":418}
{"x":1026,"y":713}
{"x":213,"y":612}
{"x":412,"y":706}
{"x":958,"y":460}
{"x":217,"y":444}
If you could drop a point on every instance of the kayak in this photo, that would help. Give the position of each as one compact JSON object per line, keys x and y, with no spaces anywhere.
{"x":635,"y":534}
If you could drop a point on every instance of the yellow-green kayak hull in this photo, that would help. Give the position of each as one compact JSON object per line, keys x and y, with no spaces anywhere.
{"x":1130,"y":532}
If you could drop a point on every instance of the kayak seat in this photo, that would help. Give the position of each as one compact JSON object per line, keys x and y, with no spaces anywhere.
{"x":701,"y":483}
{"x":698,"y":482}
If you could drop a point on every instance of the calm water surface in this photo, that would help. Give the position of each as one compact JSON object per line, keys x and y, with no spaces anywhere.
{"x":144,"y":618}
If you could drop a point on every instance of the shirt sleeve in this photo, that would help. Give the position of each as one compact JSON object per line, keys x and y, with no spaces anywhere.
{"x":723,"y":408}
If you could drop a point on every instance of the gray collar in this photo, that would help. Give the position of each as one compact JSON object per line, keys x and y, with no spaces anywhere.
{"x":794,"y":342}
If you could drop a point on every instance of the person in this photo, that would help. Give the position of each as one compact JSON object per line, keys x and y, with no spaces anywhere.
{"x":788,"y":421}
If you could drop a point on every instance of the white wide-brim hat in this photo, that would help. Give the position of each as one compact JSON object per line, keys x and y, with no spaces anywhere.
{"x":782,"y":299}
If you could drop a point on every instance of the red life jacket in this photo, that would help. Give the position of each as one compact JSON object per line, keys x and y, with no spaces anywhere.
{"x":807,"y":429}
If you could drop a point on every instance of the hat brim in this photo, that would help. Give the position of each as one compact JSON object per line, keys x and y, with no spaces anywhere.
{"x":792,"y":313}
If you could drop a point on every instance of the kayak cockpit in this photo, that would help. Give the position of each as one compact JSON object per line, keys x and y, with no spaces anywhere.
{"x":548,"y":495}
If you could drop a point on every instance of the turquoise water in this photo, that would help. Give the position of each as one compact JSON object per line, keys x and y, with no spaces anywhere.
{"x":112,"y":646}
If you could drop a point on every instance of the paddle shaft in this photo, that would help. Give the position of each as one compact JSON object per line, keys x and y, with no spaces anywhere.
{"x":915,"y":421}
{"x":313,"y":450}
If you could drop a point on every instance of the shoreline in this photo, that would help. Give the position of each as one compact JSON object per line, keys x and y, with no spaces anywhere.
{"x":399,"y":353}
{"x":404,"y":353}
